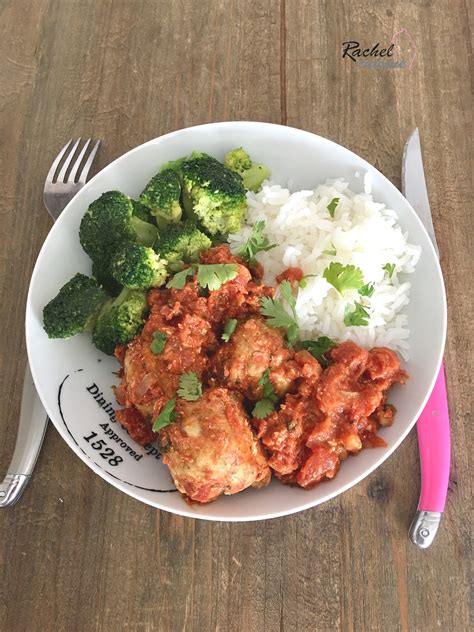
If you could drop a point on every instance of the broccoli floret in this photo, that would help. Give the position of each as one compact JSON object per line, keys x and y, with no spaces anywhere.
{"x":237,"y":160}
{"x":213,"y":194}
{"x":100,"y":271}
{"x":175,"y":165}
{"x":182,"y":242}
{"x":136,"y":266}
{"x":252,"y":175}
{"x":109,"y":221}
{"x":161,"y":196}
{"x":142,"y":212}
{"x":119,"y":320}
{"x":75,"y":308}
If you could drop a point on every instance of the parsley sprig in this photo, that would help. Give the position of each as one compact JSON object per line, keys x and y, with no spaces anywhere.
{"x":211,"y":276}
{"x":167,"y":415}
{"x":190,"y":388}
{"x":267,"y":404}
{"x":277,"y":316}
{"x":343,"y":277}
{"x":257,"y":242}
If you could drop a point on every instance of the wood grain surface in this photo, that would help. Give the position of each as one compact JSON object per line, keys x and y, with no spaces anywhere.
{"x":77,"y":554}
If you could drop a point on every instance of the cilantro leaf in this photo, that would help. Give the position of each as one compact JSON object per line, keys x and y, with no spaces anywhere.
{"x":214,"y":275}
{"x":331,"y":251}
{"x":319,"y":348}
{"x":257,"y":242}
{"x":179,"y":280}
{"x":267,"y":386}
{"x":159,"y":342}
{"x":356,"y":317}
{"x":367,"y":290}
{"x":343,"y":277}
{"x":332,"y":206}
{"x":279,"y":317}
{"x":210,"y":276}
{"x":166,"y":416}
{"x":229,"y":329}
{"x":390,"y":269}
{"x":287,"y":292}
{"x":263,"y":408}
{"x":190,"y":388}
{"x":303,"y":282}
{"x":267,"y":404}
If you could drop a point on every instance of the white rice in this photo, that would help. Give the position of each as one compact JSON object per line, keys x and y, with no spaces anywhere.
{"x":364,"y":234}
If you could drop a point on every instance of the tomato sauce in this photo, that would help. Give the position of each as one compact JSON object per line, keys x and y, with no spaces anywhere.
{"x":320,"y":415}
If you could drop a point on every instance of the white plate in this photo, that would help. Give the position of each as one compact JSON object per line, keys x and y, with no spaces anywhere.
{"x":69,"y":374}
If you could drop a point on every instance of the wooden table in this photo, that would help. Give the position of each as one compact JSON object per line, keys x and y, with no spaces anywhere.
{"x":76,"y":554}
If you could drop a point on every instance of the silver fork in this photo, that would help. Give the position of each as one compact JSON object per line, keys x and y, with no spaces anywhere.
{"x":58,"y":192}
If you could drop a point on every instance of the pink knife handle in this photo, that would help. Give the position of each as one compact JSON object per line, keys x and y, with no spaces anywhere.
{"x":435,"y":448}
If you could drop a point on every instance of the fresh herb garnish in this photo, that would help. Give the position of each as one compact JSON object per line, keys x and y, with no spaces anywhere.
{"x":367,"y":290}
{"x":179,"y":279}
{"x":332,"y":206}
{"x":343,"y":277}
{"x":302,"y":283}
{"x":319,"y":348}
{"x":159,"y":342}
{"x":214,"y":275}
{"x":267,"y":404}
{"x":332,"y":251}
{"x":257,"y":242}
{"x":263,"y":408}
{"x":390,"y":269}
{"x":356,"y":317}
{"x":229,"y":329}
{"x":166,"y":416}
{"x":190,"y":388}
{"x":210,"y":276}
{"x":277,"y":314}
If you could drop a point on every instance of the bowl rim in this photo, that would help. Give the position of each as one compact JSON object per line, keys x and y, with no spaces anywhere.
{"x":385,"y":454}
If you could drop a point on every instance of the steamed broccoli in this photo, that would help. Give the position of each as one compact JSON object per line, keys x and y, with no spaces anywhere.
{"x":142,"y":212}
{"x":101,"y":272}
{"x":182,"y":242}
{"x":213,"y":194}
{"x":176,"y":165}
{"x":119,"y":320}
{"x":75,"y":308}
{"x":109,"y":221}
{"x":136,"y":266}
{"x":161,"y":196}
{"x":252,"y":175}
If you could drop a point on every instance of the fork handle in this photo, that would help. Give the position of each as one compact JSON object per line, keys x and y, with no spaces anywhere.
{"x":32,"y":426}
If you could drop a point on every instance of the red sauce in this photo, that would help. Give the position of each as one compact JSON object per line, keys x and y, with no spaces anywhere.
{"x":321,"y":417}
{"x":293,"y":275}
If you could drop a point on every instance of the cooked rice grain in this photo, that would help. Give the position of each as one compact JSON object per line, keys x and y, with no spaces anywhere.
{"x":363,"y":233}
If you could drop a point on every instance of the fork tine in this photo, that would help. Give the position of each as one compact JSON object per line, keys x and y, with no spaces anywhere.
{"x":88,"y":165}
{"x":77,"y":164}
{"x":67,"y":162}
{"x":54,"y":166}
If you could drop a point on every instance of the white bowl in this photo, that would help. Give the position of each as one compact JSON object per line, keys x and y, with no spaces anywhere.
{"x":65,"y":371}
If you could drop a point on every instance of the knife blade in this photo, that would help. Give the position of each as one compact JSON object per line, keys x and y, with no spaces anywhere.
{"x":433,"y":424}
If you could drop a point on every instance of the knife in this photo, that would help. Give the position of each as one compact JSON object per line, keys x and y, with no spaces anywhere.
{"x":432,"y":427}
